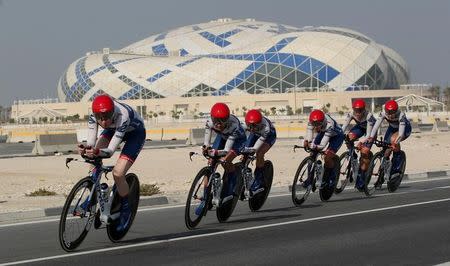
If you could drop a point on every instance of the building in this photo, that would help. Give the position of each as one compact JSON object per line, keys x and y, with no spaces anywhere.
{"x":246,"y":63}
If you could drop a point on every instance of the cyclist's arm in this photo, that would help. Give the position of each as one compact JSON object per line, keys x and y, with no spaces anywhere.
{"x":376,"y":126}
{"x":208,"y":133}
{"x":324,"y":141}
{"x":92,"y":131}
{"x":309,"y":133}
{"x":116,"y":139}
{"x":370,"y":123}
{"x":401,"y":128}
{"x":346,"y":122}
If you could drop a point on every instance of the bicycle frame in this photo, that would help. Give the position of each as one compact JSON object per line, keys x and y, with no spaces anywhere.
{"x":216,"y":188}
{"x":247,"y":173}
{"x":96,"y":175}
{"x":385,"y":161}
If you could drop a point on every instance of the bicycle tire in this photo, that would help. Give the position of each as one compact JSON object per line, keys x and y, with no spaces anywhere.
{"x":257,"y":201}
{"x":298,"y":187}
{"x":393,"y":184}
{"x":133,"y":201}
{"x":69,"y":246}
{"x":347,"y":173}
{"x":190,"y":222}
{"x":369,"y":185}
{"x":224,"y":211}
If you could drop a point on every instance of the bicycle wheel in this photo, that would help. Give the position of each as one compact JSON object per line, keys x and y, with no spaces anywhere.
{"x":133,"y":201}
{"x":195,"y":197}
{"x":224,"y":210}
{"x":301,"y":186}
{"x":75,"y":220}
{"x":257,"y":201}
{"x":394,"y":182}
{"x":345,"y":171}
{"x":374,"y":174}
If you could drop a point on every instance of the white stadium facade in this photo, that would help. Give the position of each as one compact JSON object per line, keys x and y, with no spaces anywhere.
{"x":245,"y":63}
{"x":235,"y":57}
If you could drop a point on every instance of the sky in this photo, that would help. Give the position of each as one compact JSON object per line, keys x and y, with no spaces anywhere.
{"x":39,"y":39}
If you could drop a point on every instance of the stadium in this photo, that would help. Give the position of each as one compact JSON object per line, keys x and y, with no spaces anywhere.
{"x":246,"y":63}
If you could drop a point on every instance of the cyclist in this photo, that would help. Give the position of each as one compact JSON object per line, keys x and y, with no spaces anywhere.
{"x":398,"y":130}
{"x":120,"y":123}
{"x":229,"y":141}
{"x":325,"y":130}
{"x":364,"y":121}
{"x":261,"y":138}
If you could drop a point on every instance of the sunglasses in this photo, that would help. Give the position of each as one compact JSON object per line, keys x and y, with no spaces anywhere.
{"x":316,"y":123}
{"x":391,"y":112}
{"x":103,"y":116}
{"x":358,"y":110}
{"x":219,"y":121}
{"x":252,"y":126}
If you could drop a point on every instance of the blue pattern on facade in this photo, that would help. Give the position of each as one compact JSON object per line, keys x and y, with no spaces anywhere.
{"x":160,"y":49}
{"x":158,"y":75}
{"x":219,"y":40}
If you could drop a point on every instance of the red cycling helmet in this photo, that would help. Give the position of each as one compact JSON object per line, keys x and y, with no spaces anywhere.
{"x":359,"y":104}
{"x":391,"y":107}
{"x":254,"y":117}
{"x":103,"y":107}
{"x":316,"y":117}
{"x":220,"y":112}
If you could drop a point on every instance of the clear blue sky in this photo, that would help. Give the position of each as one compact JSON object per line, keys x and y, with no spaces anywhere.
{"x":39,"y":39}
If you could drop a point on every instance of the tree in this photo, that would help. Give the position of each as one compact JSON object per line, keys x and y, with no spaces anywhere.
{"x":273,"y":110}
{"x":435,"y":92}
{"x":289,"y":110}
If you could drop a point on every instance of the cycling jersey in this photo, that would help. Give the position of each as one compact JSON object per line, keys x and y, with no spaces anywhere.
{"x":366,"y":123}
{"x":125,"y":120}
{"x":233,"y":135}
{"x":265,"y":133}
{"x":400,"y":123}
{"x":330,"y":130}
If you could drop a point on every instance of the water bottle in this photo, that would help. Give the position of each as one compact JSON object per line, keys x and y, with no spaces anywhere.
{"x":217,"y":186}
{"x":104,"y":190}
{"x":248,"y":176}
{"x":355,"y":168}
{"x":319,"y":172}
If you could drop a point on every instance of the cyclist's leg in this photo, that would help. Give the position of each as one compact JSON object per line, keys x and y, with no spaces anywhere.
{"x":134,"y":141}
{"x":396,"y":155}
{"x":355,"y":133}
{"x":259,"y":169}
{"x":230,"y":178}
{"x":331,"y":159}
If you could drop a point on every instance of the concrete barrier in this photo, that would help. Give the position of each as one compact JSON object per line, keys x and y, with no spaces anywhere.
{"x":442,"y":126}
{"x":415,"y":127}
{"x":52,"y":143}
{"x":196,"y":136}
{"x":426,"y":127}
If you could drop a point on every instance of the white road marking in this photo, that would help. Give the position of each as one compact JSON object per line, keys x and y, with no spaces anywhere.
{"x":151,"y":243}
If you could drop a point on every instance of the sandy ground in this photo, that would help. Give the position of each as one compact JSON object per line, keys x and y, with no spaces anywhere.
{"x":172,"y":170}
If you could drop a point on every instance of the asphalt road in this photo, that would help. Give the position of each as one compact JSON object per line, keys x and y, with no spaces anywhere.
{"x":408,"y":227}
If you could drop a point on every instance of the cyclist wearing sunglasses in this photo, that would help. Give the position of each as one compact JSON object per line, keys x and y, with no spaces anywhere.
{"x":261,"y":138}
{"x":398,"y":130}
{"x":325,"y":130}
{"x":364,"y":121}
{"x":229,"y":141}
{"x":120,"y":123}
